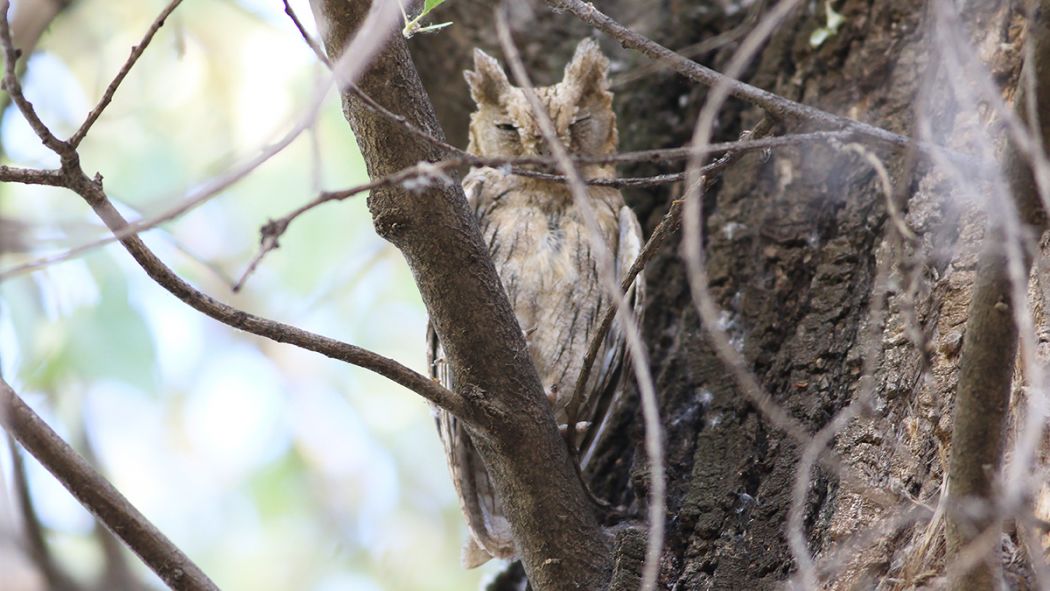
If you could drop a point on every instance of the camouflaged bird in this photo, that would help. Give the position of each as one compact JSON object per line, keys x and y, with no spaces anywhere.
{"x":545,"y":258}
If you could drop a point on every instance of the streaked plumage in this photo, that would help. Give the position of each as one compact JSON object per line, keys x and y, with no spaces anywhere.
{"x":542,"y":251}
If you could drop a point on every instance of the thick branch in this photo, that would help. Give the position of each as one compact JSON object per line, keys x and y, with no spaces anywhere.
{"x":98,"y":495}
{"x":557,"y":535}
{"x":990,"y":346}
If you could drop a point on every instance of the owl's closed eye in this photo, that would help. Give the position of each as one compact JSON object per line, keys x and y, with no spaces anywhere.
{"x":580,"y":107}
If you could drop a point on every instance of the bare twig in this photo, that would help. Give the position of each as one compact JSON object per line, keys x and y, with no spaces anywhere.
{"x":633,"y":337}
{"x":14,"y":88}
{"x":314,"y":46}
{"x":276,"y":331}
{"x":99,"y":496}
{"x":136,"y":53}
{"x":92,"y":192}
{"x":215,"y":186}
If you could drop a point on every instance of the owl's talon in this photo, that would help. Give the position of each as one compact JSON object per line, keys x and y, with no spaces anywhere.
{"x":577,"y":432}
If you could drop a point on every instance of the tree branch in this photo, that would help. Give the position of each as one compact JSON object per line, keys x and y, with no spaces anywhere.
{"x":96,"y":494}
{"x":990,"y":344}
{"x":773,"y":104}
{"x":14,"y":87}
{"x":31,"y":176}
{"x":435,"y":229}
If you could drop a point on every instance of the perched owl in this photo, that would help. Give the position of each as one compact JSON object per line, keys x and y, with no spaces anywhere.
{"x":539,"y":242}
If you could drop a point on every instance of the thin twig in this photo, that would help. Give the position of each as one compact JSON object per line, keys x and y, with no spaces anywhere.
{"x":314,"y":46}
{"x":368,"y":101}
{"x":632,"y":334}
{"x":136,"y":53}
{"x":276,"y":331}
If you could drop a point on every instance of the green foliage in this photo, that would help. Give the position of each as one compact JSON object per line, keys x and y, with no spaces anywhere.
{"x":413,"y":26}
{"x":834,"y":22}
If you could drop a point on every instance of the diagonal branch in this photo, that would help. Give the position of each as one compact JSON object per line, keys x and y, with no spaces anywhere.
{"x":774,"y":104}
{"x":92,"y":192}
{"x":99,"y":496}
{"x":14,"y":88}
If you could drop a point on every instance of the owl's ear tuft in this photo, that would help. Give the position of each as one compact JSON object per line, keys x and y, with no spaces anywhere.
{"x":588,"y":69}
{"x":487,"y":81}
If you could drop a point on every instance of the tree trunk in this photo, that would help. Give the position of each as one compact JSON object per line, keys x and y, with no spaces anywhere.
{"x":792,"y":245}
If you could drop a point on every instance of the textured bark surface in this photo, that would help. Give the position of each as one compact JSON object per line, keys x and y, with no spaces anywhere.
{"x":792,"y":245}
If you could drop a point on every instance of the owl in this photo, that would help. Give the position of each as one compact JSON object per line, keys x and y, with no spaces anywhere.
{"x":545,"y":257}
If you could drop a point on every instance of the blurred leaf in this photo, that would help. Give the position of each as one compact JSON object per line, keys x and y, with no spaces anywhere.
{"x":412,"y":27}
{"x":279,"y":487}
{"x":112,"y":340}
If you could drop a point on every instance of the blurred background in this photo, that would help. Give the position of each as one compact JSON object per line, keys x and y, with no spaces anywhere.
{"x":273,"y":468}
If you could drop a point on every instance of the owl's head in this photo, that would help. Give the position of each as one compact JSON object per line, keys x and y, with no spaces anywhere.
{"x":580,"y":107}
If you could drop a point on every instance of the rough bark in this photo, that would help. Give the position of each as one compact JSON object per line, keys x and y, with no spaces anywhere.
{"x":792,"y":246}
{"x":556,"y":530}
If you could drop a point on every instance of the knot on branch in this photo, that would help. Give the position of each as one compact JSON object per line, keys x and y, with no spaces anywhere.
{"x":271,"y":231}
{"x":391,"y":223}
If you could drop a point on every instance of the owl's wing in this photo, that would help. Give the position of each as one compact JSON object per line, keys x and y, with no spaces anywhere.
{"x":490,"y":534}
{"x":612,"y":367}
